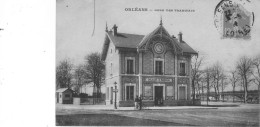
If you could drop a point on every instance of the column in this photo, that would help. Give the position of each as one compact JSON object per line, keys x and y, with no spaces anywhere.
{"x":176,"y":73}
{"x":120,"y":90}
{"x":140,"y":72}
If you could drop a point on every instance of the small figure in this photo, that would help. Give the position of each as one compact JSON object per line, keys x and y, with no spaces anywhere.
{"x":140,"y":103}
{"x":136,"y":102}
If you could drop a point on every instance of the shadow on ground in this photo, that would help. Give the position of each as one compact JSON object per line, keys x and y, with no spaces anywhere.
{"x":220,"y":105}
{"x":108,"y":120}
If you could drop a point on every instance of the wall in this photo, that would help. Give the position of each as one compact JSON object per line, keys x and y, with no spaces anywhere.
{"x":112,"y":76}
{"x":169,"y":63}
{"x":148,"y":63}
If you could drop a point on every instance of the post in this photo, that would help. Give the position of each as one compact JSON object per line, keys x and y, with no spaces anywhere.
{"x":115,"y":94}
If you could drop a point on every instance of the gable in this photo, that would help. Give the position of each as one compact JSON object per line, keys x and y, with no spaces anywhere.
{"x":159,"y":35}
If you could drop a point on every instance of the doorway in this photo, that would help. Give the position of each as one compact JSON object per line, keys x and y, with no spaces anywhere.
{"x":158,"y":100}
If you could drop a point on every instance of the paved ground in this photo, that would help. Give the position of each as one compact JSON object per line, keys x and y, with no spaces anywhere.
{"x":216,"y":114}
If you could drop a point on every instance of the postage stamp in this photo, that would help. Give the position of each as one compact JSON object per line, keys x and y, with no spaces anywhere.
{"x":234,"y":19}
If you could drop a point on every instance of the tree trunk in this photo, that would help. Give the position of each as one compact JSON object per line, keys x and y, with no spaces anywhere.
{"x":202,"y":93}
{"x":258,"y":93}
{"x":245,"y":90}
{"x":193,"y":91}
{"x":207,"y":89}
{"x":233,"y":92}
{"x":216,"y":98}
{"x":222,"y":88}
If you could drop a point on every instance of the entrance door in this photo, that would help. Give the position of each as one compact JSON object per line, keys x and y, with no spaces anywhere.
{"x":158,"y":93}
{"x":182,"y":93}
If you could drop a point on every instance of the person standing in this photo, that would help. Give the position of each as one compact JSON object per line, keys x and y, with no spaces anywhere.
{"x":136,"y":102}
{"x":140,"y":103}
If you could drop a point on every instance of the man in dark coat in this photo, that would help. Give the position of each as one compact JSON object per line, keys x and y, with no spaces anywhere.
{"x":136,"y":102}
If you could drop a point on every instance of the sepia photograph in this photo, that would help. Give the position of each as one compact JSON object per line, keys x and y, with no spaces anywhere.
{"x":157,"y":63}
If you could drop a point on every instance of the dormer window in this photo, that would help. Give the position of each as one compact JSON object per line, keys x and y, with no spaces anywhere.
{"x":130,"y":65}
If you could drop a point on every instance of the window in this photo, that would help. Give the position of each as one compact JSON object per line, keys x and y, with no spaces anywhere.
{"x":111,"y":70}
{"x":107,"y":94}
{"x":182,"y":69}
{"x":130,"y":66}
{"x":159,"y":67}
{"x":182,"y":93}
{"x":67,"y":95}
{"x":129,"y":92}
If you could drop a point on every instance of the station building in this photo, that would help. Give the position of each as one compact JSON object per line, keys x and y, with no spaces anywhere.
{"x":156,"y":67}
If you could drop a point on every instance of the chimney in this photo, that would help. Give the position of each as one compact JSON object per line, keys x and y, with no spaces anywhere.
{"x":180,"y":37}
{"x":106,"y":28}
{"x":115,"y":30}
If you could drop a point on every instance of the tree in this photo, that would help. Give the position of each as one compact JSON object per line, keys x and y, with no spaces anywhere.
{"x":223,"y":85}
{"x":245,"y":70}
{"x":233,"y":80}
{"x":256,"y":73}
{"x":95,"y":72}
{"x":64,"y":74}
{"x":216,"y":74}
{"x":196,"y":64}
{"x":79,"y":76}
{"x":207,"y":78}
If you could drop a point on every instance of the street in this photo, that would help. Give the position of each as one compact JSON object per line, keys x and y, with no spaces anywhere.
{"x":216,"y":114}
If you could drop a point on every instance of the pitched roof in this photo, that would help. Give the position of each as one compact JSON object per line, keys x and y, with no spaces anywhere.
{"x":61,"y":90}
{"x":125,"y":40}
{"x":186,"y":48}
{"x":134,"y":41}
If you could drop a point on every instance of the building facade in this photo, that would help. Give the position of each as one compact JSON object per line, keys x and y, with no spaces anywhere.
{"x":156,"y":67}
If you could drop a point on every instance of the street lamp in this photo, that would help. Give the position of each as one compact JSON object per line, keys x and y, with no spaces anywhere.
{"x":115,"y":94}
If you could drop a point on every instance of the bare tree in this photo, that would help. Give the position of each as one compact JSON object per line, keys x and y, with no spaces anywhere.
{"x":245,"y":70}
{"x":256,"y":73}
{"x":95,"y":69}
{"x":207,"y":78}
{"x":196,"y":64}
{"x":79,"y":76}
{"x":216,"y":74}
{"x":223,"y":85}
{"x":64,"y":74}
{"x":233,"y":80}
{"x":203,"y":84}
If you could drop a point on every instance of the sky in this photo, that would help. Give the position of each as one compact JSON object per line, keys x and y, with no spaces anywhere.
{"x":75,"y":24}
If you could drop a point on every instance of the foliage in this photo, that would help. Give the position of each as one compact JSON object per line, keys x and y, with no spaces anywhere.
{"x":80,"y":77}
{"x":64,"y":74}
{"x":95,"y":71}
